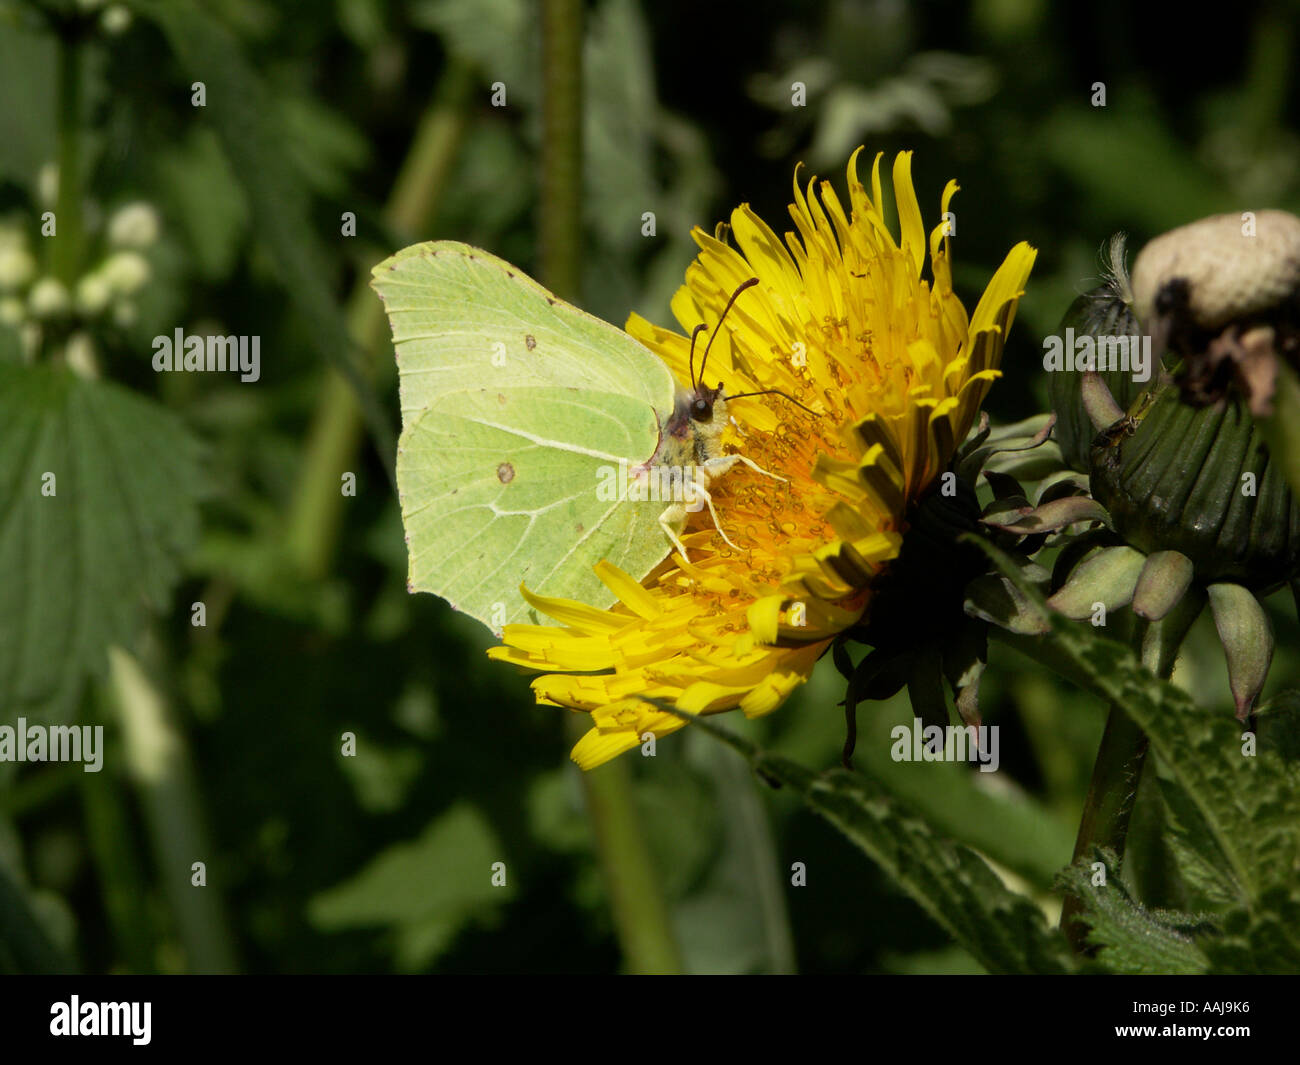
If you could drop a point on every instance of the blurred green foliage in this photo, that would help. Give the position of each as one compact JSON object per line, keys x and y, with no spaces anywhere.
{"x":317,"y":862}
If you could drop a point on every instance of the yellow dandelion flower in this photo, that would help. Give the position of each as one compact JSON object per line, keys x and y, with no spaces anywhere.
{"x":893,"y":372}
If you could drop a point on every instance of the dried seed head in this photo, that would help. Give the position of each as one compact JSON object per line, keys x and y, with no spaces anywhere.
{"x":1219,"y":269}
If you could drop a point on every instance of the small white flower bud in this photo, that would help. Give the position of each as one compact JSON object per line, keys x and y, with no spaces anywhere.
{"x":133,"y":226}
{"x":80,"y":355}
{"x":93,"y":294}
{"x":126,"y":272}
{"x":16,"y":266}
{"x":115,"y":20}
{"x":48,"y":298}
{"x":12,"y":311}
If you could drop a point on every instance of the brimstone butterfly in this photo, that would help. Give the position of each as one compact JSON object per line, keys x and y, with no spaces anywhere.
{"x":525,"y":422}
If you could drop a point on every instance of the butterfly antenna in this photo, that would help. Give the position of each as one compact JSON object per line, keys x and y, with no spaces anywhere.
{"x":698,"y":330}
{"x":775,"y":392}
{"x":743,"y":285}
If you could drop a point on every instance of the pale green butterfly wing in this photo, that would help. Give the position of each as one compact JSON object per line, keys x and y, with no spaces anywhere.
{"x":517,"y":410}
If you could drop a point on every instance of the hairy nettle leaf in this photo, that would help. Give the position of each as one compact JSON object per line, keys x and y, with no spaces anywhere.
{"x":1129,"y":937}
{"x":1231,"y":795}
{"x":98,"y":489}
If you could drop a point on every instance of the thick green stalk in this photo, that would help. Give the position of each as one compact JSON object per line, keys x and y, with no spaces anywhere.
{"x":1108,"y":807}
{"x":641,"y":916}
{"x":65,"y":248}
{"x":1117,"y":772}
{"x":119,"y":867}
{"x":158,"y":765}
{"x":560,"y":222}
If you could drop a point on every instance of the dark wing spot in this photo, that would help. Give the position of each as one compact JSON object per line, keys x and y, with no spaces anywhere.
{"x":501,"y":399}
{"x":579,"y":527}
{"x":505,"y":473}
{"x":550,"y":300}
{"x":530,"y":341}
{"x":509,"y":274}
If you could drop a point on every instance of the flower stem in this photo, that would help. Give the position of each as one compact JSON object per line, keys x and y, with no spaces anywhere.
{"x":640,"y":912}
{"x":560,"y":224}
{"x":1117,"y":771}
{"x":1109,"y":806}
{"x":65,"y":249}
{"x":157,"y":761}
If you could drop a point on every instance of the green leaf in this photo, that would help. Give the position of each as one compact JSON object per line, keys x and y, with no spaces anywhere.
{"x":1264,"y":939}
{"x":1130,"y":938}
{"x":1004,"y":931}
{"x":425,"y":890}
{"x":84,"y":550}
{"x":244,"y":112}
{"x":1201,"y":863}
{"x":1246,"y":802}
{"x":206,"y":200}
{"x":500,"y":36}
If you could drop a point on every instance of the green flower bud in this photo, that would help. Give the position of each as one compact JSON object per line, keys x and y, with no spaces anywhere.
{"x":1199,"y":481}
{"x":1105,"y":311}
{"x":1247,"y":639}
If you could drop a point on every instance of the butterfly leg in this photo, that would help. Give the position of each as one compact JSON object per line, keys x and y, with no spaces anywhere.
{"x":702,"y":492}
{"x":716,"y":467}
{"x":672,"y":521}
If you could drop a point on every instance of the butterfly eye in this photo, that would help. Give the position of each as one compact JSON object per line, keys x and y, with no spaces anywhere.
{"x":701,"y":410}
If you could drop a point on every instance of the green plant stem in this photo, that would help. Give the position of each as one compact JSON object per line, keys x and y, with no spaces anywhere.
{"x":641,"y":917}
{"x":119,"y":867}
{"x":158,"y":764}
{"x":1117,"y":771}
{"x":334,"y":437}
{"x":640,"y":912}
{"x":65,"y":248}
{"x":560,"y":223}
{"x":1108,"y":807}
